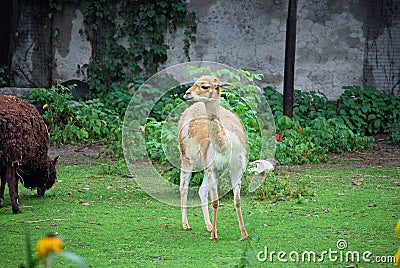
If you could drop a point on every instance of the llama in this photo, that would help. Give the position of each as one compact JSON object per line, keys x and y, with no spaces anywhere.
{"x":23,"y":150}
{"x":211,"y":138}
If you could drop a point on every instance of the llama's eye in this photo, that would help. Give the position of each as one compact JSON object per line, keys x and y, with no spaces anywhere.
{"x":204,"y":87}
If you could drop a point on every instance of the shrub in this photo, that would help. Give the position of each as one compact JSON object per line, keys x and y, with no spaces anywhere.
{"x":71,"y":122}
{"x":311,"y":143}
{"x":364,"y":111}
{"x":395,"y":133}
{"x":368,"y":111}
{"x":3,"y":76}
{"x":279,"y":189}
{"x":310,"y":105}
{"x":319,"y":126}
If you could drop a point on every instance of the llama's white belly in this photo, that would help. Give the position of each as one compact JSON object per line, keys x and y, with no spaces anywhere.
{"x":232,"y":158}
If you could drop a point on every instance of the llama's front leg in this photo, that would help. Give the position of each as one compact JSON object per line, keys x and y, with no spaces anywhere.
{"x":203,"y":193}
{"x":215,"y":203}
{"x":184,"y":189}
{"x":13,"y":188}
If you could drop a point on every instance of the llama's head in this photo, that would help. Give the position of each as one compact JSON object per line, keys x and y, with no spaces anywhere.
{"x":41,"y":177}
{"x":205,"y":89}
{"x":48,"y":173}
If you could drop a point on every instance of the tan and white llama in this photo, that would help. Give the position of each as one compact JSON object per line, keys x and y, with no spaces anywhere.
{"x":211,"y":138}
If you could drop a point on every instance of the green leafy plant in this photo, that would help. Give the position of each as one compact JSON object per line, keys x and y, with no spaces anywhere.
{"x":368,"y":111}
{"x":395,"y":133}
{"x":56,"y":102}
{"x":71,"y":122}
{"x":3,"y":76}
{"x":310,"y":105}
{"x":310,"y":144}
{"x":135,"y":46}
{"x":275,"y":188}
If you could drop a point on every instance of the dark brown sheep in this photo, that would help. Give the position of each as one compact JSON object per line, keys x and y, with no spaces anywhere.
{"x":23,"y":150}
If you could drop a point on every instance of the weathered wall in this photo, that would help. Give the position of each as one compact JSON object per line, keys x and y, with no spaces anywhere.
{"x":49,"y":49}
{"x":70,"y":46}
{"x":335,"y":46}
{"x":33,"y":47}
{"x":344,"y":42}
{"x":243,"y":34}
{"x":382,"y":53}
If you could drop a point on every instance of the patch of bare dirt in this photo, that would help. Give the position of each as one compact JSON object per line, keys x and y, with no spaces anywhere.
{"x":80,"y":155}
{"x":384,"y":153}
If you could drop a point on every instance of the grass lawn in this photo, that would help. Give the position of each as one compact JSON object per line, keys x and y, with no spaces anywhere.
{"x":110,"y":222}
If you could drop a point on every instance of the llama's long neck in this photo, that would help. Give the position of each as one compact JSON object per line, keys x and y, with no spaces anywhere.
{"x":218,"y":133}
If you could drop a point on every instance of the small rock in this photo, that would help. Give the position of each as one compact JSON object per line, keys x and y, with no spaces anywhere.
{"x":372,"y":205}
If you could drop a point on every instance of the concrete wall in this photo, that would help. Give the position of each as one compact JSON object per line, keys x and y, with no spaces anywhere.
{"x":334,"y":44}
{"x":338,"y":42}
{"x":70,"y":46}
{"x":33,"y":47}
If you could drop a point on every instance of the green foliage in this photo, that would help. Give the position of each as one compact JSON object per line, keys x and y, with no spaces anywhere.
{"x":368,"y":111}
{"x":135,"y":46}
{"x":314,"y":131}
{"x":310,"y":144}
{"x":56,"y":103}
{"x":310,"y":105}
{"x":280,"y":189}
{"x":395,"y":133}
{"x":3,"y":76}
{"x":320,"y":126}
{"x":70,"y":122}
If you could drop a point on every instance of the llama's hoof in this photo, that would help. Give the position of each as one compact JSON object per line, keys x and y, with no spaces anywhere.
{"x":214,"y":238}
{"x":16,"y":211}
{"x":209,"y":227}
{"x":186,"y":227}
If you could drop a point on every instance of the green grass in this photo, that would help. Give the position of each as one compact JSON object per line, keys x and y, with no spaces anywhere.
{"x":106,"y":219}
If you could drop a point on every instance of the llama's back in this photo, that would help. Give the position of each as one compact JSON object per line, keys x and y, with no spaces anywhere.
{"x":23,"y":133}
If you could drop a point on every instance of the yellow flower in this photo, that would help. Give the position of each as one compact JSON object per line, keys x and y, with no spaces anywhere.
{"x":397,"y":258}
{"x":47,"y":245}
{"x":398,"y":228}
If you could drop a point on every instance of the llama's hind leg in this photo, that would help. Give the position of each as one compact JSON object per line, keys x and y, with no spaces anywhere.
{"x":2,"y":187}
{"x":236,"y":182}
{"x":215,"y":203}
{"x":13,"y":188}
{"x":203,"y":193}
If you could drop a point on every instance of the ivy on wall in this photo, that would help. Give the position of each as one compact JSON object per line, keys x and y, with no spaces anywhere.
{"x":129,"y":35}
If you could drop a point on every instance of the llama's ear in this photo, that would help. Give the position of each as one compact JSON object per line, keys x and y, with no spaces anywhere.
{"x":223,"y":84}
